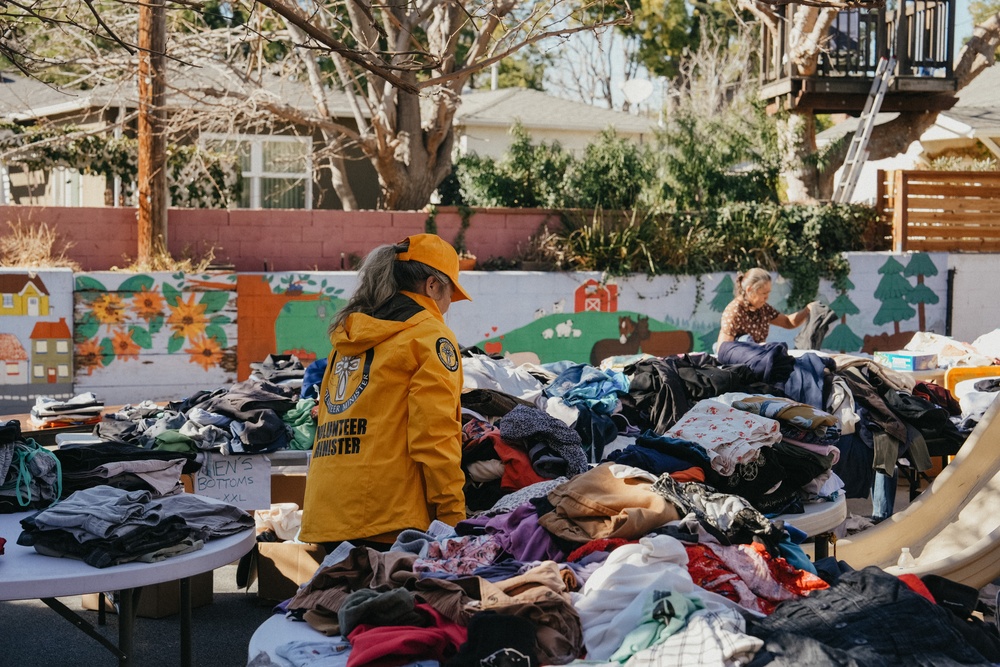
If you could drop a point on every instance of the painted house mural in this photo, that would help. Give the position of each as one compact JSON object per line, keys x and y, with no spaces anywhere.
{"x":51,"y":353}
{"x":23,"y":294}
{"x":36,"y":338}
{"x":14,"y":359}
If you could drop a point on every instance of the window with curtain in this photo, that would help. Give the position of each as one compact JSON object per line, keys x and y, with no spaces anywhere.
{"x":277,"y":170}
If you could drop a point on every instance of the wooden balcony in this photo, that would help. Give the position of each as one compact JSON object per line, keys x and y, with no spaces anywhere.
{"x":921,"y":34}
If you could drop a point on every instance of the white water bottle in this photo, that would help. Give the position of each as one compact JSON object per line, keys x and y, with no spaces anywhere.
{"x":906,"y":560}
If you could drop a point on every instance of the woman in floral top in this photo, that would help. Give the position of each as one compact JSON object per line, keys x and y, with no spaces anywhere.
{"x":750,"y":313}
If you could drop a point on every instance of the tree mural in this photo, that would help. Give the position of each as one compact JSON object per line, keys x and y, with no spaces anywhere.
{"x":723,"y":295}
{"x":921,"y":265}
{"x":842,"y":338}
{"x":893,"y":290}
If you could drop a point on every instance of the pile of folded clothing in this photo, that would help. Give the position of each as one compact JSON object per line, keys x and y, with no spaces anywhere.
{"x":50,"y":412}
{"x":105,"y":526}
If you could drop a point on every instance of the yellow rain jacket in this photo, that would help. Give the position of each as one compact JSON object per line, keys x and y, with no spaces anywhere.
{"x":388,"y":447}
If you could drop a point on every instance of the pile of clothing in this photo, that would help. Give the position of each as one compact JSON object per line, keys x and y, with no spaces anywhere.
{"x":82,"y":409}
{"x":249,"y":417}
{"x":30,"y":475}
{"x":105,"y":526}
{"x":625,"y":516}
{"x":616,"y":566}
{"x":810,"y":426}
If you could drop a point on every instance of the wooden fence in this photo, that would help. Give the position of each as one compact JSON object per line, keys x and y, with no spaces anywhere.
{"x":952,"y":211}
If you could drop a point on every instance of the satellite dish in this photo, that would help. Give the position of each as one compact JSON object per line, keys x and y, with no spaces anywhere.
{"x":637,"y":90}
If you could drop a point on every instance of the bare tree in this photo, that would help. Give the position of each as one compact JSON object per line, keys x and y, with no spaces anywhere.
{"x":410,"y":63}
{"x":403,"y":64}
{"x":590,"y":66}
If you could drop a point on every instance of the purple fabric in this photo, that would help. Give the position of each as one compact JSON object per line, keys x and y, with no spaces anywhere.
{"x":522,"y":537}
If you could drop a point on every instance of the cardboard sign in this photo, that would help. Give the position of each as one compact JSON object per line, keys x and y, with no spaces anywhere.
{"x":240,"y":480}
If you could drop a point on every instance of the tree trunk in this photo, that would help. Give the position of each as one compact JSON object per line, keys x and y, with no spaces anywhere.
{"x":409,"y":174}
{"x":797,"y":143}
{"x":152,"y":167}
{"x":338,"y":175}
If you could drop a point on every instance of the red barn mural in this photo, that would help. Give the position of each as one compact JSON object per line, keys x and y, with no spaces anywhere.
{"x":594,"y":297}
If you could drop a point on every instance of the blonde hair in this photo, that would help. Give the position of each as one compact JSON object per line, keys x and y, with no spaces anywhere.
{"x":382,"y":275}
{"x":750,"y":280}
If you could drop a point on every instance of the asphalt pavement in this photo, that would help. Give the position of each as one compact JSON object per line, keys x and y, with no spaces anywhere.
{"x":33,"y":635}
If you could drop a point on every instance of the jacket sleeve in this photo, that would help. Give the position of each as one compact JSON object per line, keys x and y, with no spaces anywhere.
{"x":435,"y":431}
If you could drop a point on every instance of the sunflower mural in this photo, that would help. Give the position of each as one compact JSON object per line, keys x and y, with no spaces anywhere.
{"x":169,"y":329}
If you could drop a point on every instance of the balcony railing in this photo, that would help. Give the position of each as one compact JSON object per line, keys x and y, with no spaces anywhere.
{"x":921,"y":33}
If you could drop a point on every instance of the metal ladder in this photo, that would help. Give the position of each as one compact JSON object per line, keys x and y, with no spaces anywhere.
{"x":857,"y":152}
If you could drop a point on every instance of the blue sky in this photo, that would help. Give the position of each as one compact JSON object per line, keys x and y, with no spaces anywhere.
{"x":963,"y":22}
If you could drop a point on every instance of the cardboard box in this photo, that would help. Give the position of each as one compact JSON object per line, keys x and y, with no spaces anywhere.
{"x":288,"y":488}
{"x":162,"y":600}
{"x":907,"y":361}
{"x":283,"y":566}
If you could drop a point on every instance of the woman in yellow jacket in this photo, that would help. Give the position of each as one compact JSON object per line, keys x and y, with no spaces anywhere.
{"x":387,"y":455}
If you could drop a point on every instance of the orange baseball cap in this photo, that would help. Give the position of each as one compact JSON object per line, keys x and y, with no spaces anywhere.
{"x":435,"y":252}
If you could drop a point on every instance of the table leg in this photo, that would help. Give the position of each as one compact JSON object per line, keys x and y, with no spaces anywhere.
{"x":821,"y":546}
{"x":186,"y":622}
{"x":83,"y":625}
{"x":128,"y":604}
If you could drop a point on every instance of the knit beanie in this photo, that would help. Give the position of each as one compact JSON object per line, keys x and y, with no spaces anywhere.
{"x":531,"y":426}
{"x":497,"y":640}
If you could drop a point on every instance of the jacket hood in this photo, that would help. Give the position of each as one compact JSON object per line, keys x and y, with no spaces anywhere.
{"x":362,"y":332}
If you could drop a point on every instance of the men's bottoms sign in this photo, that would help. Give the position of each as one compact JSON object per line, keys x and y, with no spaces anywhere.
{"x":243,"y":481}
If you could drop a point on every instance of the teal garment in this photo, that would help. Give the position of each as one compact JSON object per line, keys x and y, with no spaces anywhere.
{"x":795,"y":556}
{"x":171,"y":440}
{"x":664,"y":614}
{"x":303,"y":425}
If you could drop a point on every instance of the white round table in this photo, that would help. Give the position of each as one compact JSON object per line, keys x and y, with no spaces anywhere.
{"x":28,"y":575}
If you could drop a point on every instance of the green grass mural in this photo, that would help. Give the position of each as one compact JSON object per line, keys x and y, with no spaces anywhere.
{"x":578,"y":336}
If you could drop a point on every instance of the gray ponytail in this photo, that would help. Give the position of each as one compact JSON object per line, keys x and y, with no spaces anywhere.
{"x":381,"y":275}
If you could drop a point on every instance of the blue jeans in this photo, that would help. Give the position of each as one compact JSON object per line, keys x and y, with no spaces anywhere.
{"x":884,"y":494}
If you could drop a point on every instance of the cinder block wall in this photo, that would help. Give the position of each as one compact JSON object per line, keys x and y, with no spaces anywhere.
{"x":272,"y":240}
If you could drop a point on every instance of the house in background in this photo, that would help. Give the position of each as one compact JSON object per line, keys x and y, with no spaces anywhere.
{"x":13,"y":361}
{"x":23,"y":294}
{"x":51,"y":353}
{"x":281,"y":162}
{"x":483,"y":121}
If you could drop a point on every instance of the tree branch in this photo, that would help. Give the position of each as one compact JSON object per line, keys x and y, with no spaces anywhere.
{"x":379,"y":69}
{"x":469,"y":70}
{"x":979,"y":52}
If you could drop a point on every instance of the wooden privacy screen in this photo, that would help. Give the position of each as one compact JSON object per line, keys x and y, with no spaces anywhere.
{"x":950,"y":211}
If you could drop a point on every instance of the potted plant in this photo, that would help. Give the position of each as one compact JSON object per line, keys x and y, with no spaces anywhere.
{"x":542,"y":252}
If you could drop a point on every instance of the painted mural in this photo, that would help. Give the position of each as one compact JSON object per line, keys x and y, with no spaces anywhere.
{"x":163,"y":336}
{"x":36,"y":339}
{"x":585,"y":317}
{"x":169,"y":333}
{"x":288,"y":313}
